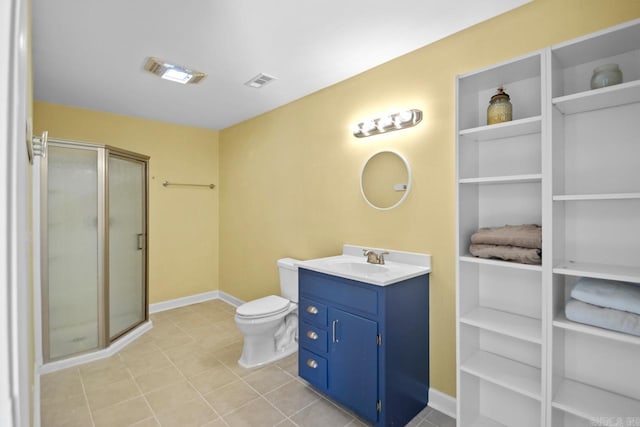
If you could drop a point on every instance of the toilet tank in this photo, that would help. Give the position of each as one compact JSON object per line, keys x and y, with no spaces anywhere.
{"x":288,"y":268}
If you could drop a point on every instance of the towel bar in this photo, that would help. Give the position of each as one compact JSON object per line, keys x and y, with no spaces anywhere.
{"x":167,"y":183}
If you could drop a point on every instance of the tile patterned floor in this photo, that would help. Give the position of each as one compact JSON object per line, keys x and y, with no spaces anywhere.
{"x":184,"y":372}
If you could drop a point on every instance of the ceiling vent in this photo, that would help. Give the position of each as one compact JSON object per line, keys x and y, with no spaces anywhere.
{"x":260,"y":80}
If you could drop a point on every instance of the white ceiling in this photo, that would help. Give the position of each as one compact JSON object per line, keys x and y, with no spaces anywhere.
{"x":90,"y":53}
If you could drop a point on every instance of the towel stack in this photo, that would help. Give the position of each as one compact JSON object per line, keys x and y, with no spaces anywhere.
{"x":519,"y":243}
{"x":607,"y":304}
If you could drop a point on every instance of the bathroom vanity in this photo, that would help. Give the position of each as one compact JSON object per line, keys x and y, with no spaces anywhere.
{"x":365,"y":343}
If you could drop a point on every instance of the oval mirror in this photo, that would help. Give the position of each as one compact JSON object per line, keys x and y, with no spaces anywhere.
{"x":385,"y":180}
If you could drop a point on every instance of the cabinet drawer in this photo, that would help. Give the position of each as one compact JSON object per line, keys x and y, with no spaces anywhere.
{"x":313,"y":312}
{"x":337,"y":290}
{"x":313,"y":338}
{"x":313,"y":368}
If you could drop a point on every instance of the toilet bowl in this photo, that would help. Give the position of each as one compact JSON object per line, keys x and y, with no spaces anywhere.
{"x":269,"y":325}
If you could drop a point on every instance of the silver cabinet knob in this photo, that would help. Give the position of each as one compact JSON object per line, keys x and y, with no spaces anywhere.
{"x":312,"y":363}
{"x":312,"y":335}
{"x":312,"y":310}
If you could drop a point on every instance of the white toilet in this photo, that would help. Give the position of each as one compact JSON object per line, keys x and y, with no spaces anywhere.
{"x":270,"y":324}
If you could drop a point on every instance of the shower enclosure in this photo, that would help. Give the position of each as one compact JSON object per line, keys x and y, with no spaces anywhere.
{"x":94,"y":246}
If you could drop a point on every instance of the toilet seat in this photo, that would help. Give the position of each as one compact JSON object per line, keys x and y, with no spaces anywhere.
{"x":263,"y":307}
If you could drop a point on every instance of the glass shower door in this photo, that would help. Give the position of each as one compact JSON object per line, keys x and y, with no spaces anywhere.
{"x":127,"y":244}
{"x":73,"y":252}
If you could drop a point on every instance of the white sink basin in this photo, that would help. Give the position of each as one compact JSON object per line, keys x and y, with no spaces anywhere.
{"x":398,"y":266}
{"x":348,"y":266}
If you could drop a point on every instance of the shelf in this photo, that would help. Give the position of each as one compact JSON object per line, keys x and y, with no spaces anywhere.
{"x":604,"y":196}
{"x":504,"y":130}
{"x":499,"y":263}
{"x":592,"y":403}
{"x":513,"y":325}
{"x":598,"y":271}
{"x":507,"y":373}
{"x":562,"y":322}
{"x":483,"y":421}
{"x":612,"y":96}
{"x":509,"y":179}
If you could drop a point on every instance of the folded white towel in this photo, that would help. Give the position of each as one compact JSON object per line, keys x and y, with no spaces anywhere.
{"x":623,"y":296}
{"x":607,"y":318}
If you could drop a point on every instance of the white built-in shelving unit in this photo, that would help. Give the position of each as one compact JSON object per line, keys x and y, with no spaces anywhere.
{"x":570,"y":161}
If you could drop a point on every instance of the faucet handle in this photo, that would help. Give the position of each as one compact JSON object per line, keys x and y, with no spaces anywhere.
{"x":381,"y":257}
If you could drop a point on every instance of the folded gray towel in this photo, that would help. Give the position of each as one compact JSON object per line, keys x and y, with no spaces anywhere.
{"x":524,"y":236}
{"x":607,"y":318}
{"x":507,"y":253}
{"x":623,"y":296}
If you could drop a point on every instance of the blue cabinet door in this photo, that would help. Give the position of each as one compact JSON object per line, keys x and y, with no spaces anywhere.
{"x":353,"y":362}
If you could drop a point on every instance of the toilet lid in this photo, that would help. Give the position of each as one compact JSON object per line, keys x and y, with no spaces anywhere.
{"x":266,"y":306}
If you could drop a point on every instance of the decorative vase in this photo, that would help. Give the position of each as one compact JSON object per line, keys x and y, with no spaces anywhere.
{"x":606,"y":75}
{"x":500,"y":109}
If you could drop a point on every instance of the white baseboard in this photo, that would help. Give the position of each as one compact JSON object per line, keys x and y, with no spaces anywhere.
{"x":230,"y":299}
{"x":97,"y":355}
{"x":442,"y":402}
{"x":181,"y":302}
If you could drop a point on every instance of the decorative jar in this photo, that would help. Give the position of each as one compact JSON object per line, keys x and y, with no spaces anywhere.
{"x":500,"y":109}
{"x":606,"y":75}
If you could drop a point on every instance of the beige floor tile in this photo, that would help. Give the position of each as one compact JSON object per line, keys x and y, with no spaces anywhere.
{"x":217,"y":341}
{"x":286,"y":423}
{"x":164,"y":331}
{"x":187,"y":351}
{"x":103,"y":377}
{"x":267,"y":379}
{"x":358,"y":423}
{"x":217,"y":423}
{"x":183,"y":315}
{"x":321,"y":414}
{"x":231,"y":397}
{"x":140,"y":364}
{"x":60,"y":385}
{"x":191,"y":414}
{"x":112,"y":362}
{"x":213,"y":378}
{"x":174,"y":341}
{"x":289,"y":364}
{"x":159,"y":379}
{"x":149,"y":422}
{"x":111,"y":394}
{"x":71,"y":412}
{"x":192,"y":323}
{"x":292,"y":397}
{"x":215,"y":314}
{"x":123,"y":414}
{"x":197,"y":363}
{"x":171,"y":398}
{"x":140,"y":348}
{"x":256,"y":413}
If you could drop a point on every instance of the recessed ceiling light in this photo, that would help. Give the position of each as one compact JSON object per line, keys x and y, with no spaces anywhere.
{"x":260,"y":80}
{"x":173,"y":72}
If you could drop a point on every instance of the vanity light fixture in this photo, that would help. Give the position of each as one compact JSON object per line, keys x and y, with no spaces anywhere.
{"x":173,"y":72}
{"x":387,"y":123}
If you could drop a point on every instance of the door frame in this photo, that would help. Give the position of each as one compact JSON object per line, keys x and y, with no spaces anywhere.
{"x":15,"y":326}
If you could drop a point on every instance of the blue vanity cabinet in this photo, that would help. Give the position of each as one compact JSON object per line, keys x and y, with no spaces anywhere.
{"x":366,"y":346}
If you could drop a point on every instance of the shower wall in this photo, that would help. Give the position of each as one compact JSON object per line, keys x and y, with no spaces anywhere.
{"x":94,"y":260}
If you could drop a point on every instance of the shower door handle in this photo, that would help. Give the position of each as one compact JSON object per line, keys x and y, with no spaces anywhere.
{"x":140,"y":241}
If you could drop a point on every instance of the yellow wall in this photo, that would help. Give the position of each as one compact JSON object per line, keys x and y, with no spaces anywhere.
{"x":289,"y":178}
{"x":183,"y":222}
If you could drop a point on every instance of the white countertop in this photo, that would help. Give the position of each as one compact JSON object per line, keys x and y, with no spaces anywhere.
{"x":398,"y":265}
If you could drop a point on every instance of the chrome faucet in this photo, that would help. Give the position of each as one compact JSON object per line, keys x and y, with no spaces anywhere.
{"x":373,"y":257}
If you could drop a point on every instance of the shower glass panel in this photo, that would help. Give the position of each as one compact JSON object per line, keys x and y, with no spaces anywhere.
{"x":127,"y":297}
{"x":94,"y":247}
{"x":73,"y":250}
